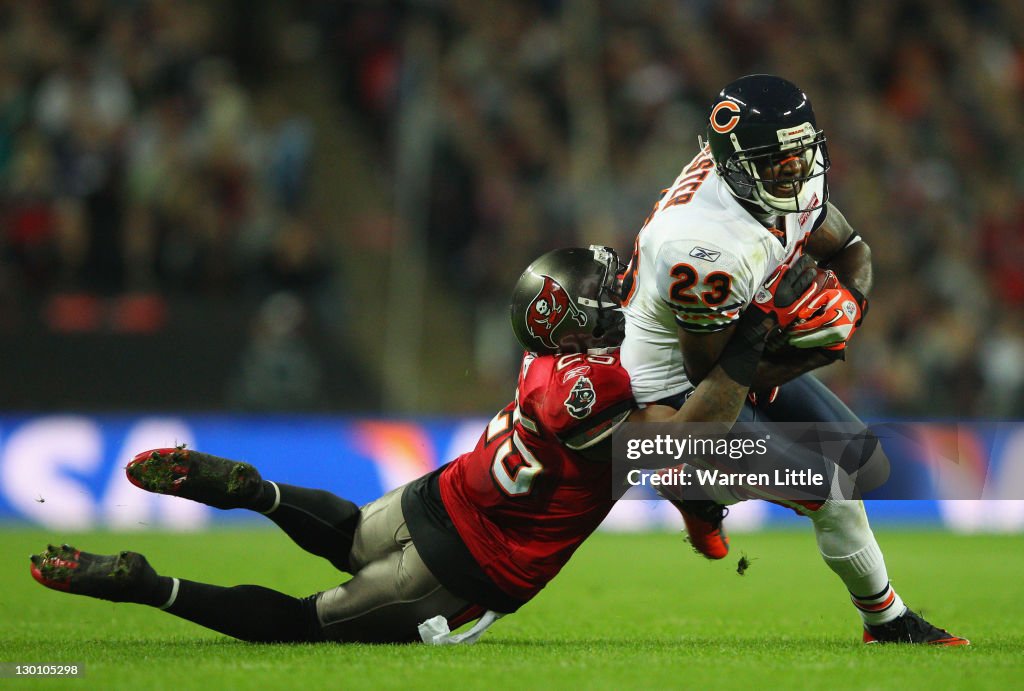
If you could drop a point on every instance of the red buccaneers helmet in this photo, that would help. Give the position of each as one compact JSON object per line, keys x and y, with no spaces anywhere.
{"x":567,"y":301}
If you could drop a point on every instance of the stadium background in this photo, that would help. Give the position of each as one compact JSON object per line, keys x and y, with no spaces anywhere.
{"x":286,"y":231}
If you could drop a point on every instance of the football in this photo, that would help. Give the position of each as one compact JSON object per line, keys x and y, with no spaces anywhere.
{"x":826,"y":278}
{"x":778,"y":347}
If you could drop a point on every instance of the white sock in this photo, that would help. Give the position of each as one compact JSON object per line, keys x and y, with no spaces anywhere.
{"x":849,"y":548}
{"x":879,"y":608}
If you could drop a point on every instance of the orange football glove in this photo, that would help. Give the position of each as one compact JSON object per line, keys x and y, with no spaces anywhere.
{"x":828,"y":319}
{"x":787,"y":291}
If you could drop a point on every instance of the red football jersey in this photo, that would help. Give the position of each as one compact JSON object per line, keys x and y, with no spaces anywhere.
{"x":525,"y":498}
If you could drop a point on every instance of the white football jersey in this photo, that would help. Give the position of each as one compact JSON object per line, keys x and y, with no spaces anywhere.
{"x":696,"y":264}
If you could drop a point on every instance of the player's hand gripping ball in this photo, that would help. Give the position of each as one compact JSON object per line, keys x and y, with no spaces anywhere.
{"x":828,"y":319}
{"x":787,"y":291}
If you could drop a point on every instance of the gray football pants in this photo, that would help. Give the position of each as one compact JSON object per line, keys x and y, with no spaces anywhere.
{"x":391,"y":591}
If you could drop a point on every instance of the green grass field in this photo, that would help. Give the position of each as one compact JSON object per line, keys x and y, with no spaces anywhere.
{"x":630,"y":611}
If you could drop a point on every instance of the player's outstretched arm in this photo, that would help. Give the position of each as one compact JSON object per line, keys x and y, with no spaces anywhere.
{"x":778,"y":368}
{"x":720,"y":395}
{"x":717,"y":399}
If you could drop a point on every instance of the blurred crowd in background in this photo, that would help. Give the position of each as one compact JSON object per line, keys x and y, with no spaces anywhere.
{"x":142,"y":152}
{"x":922,"y":102}
{"x":132,"y":158}
{"x":137,"y":170}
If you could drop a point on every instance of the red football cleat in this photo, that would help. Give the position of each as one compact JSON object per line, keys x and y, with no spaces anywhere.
{"x":703,"y":520}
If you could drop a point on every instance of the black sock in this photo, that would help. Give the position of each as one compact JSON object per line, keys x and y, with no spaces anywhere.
{"x":316,"y":520}
{"x":248,"y":612}
{"x":159,"y":594}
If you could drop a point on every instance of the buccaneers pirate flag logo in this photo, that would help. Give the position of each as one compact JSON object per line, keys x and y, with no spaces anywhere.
{"x":581,"y":399}
{"x":549,"y":309}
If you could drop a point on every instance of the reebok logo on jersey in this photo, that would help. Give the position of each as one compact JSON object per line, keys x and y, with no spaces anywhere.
{"x":575,"y":372}
{"x":581,"y":398}
{"x":705,"y":254}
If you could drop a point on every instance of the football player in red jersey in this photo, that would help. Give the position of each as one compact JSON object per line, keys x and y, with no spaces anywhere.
{"x":476,"y":538}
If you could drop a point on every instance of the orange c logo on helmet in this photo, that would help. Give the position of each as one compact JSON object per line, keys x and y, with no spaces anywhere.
{"x":729,"y":124}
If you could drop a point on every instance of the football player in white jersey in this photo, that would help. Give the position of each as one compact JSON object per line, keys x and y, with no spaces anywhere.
{"x":755,"y":197}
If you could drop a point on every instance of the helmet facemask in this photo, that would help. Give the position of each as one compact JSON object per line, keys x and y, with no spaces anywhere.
{"x":609,"y":328}
{"x":750,"y":171}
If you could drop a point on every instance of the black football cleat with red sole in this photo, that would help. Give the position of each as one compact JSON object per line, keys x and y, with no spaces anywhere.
{"x":122,"y":577}
{"x":211,"y":480}
{"x":911,"y":628}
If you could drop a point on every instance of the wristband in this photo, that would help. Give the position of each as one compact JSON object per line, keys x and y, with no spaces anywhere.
{"x":862,"y":302}
{"x":742,"y":353}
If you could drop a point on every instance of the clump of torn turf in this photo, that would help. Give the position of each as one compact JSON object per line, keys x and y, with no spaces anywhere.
{"x":122,"y":567}
{"x":743,"y":564}
{"x":240,"y":479}
{"x":56,"y":563}
{"x":156,"y":475}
